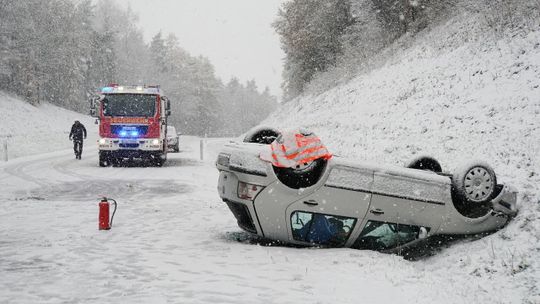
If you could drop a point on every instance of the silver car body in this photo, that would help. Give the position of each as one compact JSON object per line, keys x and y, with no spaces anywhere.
{"x":359,"y":193}
{"x":172,"y":138}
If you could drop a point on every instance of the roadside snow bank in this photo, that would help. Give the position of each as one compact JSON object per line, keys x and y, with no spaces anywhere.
{"x":457,"y":93}
{"x":32,"y":130}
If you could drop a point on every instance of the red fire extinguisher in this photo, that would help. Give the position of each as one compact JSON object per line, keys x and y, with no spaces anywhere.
{"x":104,"y":222}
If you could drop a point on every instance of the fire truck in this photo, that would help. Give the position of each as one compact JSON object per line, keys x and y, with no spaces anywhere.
{"x":132,"y":124}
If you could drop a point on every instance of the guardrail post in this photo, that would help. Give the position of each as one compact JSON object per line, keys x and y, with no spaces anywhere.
{"x":5,"y":144}
{"x":202,"y":149}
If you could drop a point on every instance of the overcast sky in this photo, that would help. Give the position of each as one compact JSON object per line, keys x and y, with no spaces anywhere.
{"x":236,"y":35}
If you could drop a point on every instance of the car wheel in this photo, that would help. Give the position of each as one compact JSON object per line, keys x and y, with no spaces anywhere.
{"x":177,"y":148}
{"x":302,"y":176}
{"x":262,"y":135}
{"x":425,"y":163}
{"x":475,"y":183}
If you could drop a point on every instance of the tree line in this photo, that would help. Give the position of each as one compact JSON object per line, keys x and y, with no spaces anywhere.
{"x":63,"y":51}
{"x":317,"y":35}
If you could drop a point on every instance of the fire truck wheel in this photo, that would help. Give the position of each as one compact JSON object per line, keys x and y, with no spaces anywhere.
{"x":115,"y":161}
{"x":157,"y":161}
{"x":302,"y":176}
{"x":103,"y":159}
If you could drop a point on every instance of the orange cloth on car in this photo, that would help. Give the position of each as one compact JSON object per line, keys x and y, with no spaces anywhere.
{"x":295,"y":148}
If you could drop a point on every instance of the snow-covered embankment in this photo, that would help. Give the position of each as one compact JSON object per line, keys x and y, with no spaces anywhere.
{"x":459,"y":92}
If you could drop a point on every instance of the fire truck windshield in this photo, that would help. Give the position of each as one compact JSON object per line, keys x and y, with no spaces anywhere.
{"x":129,"y":105}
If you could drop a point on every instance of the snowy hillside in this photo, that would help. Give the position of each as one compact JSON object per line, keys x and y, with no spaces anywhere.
{"x":32,"y":130}
{"x":458,"y":92}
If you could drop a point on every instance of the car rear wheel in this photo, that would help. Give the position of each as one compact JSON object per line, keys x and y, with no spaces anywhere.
{"x":425,"y":163}
{"x":301,"y":176}
{"x":262,"y":135}
{"x":474,"y":185}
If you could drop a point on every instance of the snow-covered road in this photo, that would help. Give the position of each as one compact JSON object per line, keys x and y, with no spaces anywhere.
{"x":173,"y":241}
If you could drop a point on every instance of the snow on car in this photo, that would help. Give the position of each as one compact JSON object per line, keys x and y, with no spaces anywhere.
{"x":347,"y":203}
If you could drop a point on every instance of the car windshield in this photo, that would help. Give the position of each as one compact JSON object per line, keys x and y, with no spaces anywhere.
{"x":382,"y":236}
{"x":129,"y":105}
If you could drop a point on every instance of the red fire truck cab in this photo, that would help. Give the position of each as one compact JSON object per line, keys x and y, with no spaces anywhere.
{"x":132,"y":124}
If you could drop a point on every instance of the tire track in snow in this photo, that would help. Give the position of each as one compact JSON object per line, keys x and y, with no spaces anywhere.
{"x":20,"y":169}
{"x":58,"y":177}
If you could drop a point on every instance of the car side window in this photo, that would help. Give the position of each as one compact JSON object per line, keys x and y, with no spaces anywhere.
{"x":382,"y":236}
{"x":321,"y":229}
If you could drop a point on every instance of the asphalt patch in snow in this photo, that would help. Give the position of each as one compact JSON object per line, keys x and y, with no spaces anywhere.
{"x":182,"y":162}
{"x":94,"y":189}
{"x":171,"y":162}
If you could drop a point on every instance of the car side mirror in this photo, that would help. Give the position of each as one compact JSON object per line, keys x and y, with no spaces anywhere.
{"x":94,"y":102}
{"x":167,"y":102}
{"x":96,"y":122}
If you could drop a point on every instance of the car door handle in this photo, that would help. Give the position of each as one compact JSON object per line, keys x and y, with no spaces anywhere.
{"x":376,"y":211}
{"x":311,"y":203}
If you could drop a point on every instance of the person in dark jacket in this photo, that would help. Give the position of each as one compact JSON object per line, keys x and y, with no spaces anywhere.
{"x":77,"y":134}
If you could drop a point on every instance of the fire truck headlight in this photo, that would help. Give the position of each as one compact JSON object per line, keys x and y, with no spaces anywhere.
{"x":155,"y":142}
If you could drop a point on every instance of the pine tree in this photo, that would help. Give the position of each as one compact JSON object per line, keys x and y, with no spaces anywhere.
{"x":310,"y":33}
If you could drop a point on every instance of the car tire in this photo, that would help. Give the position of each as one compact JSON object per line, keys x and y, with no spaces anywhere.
{"x":176,"y":148}
{"x":425,"y":163}
{"x":303,"y":176}
{"x":474,"y":186}
{"x":261,"y":135}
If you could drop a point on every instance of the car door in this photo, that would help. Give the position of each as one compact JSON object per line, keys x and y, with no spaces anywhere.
{"x":404,"y":206}
{"x":329,"y":215}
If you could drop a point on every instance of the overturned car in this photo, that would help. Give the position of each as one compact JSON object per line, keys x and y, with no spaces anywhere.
{"x":344,"y":203}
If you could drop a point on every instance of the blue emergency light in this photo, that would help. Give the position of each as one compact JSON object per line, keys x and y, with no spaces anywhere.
{"x":128,"y":132}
